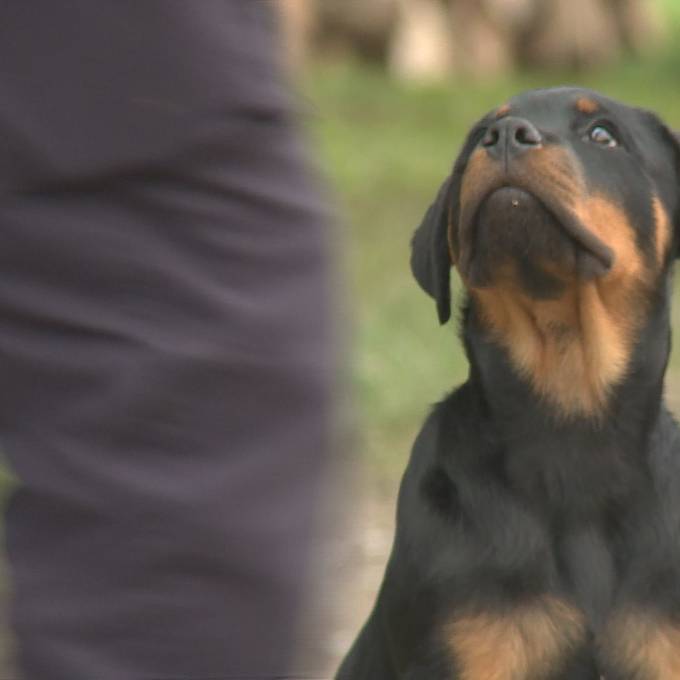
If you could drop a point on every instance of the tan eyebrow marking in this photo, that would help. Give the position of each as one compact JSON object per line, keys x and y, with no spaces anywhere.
{"x":502,"y":111}
{"x":586,"y":105}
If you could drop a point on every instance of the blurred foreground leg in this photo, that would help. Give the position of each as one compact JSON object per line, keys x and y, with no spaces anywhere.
{"x":163,"y":340}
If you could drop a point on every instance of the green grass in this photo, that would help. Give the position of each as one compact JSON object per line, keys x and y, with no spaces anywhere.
{"x":386,"y":147}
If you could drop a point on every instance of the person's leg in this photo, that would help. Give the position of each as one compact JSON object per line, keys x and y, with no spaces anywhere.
{"x":164,"y":362}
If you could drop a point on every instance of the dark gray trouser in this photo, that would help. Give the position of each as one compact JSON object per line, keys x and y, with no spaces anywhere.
{"x":163,"y":340}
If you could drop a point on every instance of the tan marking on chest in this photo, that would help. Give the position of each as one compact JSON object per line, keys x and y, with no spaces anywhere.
{"x":529,"y":642}
{"x":642,"y":645}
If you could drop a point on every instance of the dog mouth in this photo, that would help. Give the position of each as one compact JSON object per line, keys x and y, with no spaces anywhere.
{"x":514,"y":222}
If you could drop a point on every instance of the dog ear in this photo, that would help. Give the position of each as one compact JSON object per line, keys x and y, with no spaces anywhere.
{"x":430,"y":256}
{"x":667,"y":183}
{"x":430,"y":259}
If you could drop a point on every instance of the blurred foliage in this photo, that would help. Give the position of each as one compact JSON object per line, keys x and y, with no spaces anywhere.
{"x":671,"y":9}
{"x":386,"y":147}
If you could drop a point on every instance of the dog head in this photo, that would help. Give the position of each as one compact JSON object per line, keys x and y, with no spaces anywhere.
{"x":561,"y":217}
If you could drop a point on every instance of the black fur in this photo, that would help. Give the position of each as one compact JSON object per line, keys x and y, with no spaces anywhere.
{"x":504,"y":501}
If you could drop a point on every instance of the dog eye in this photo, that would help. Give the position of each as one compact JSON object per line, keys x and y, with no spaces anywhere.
{"x":602,"y":136}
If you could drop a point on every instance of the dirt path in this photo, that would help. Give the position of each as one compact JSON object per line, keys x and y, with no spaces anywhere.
{"x":349,"y":571}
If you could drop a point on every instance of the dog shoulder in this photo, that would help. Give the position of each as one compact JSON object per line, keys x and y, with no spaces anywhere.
{"x":664,"y":462}
{"x":452,"y":452}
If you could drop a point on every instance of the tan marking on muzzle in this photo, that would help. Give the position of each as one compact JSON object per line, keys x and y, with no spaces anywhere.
{"x":530,"y":641}
{"x":545,"y":170}
{"x":548,"y":169}
{"x":662,"y":232}
{"x":608,"y":221}
{"x":572,"y":350}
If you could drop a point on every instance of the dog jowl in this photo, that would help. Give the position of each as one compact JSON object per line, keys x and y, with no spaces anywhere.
{"x":538,"y":522}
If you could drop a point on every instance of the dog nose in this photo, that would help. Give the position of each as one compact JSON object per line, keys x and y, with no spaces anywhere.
{"x":511,"y":137}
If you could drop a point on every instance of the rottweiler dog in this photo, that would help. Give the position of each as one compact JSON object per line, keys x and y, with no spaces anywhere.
{"x":538,"y":522}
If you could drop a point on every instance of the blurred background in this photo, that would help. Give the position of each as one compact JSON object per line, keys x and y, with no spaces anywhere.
{"x":389,"y":88}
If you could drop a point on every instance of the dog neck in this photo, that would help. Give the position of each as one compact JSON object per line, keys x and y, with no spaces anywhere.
{"x":575,"y":361}
{"x":575,"y":350}
{"x":547,"y":450}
